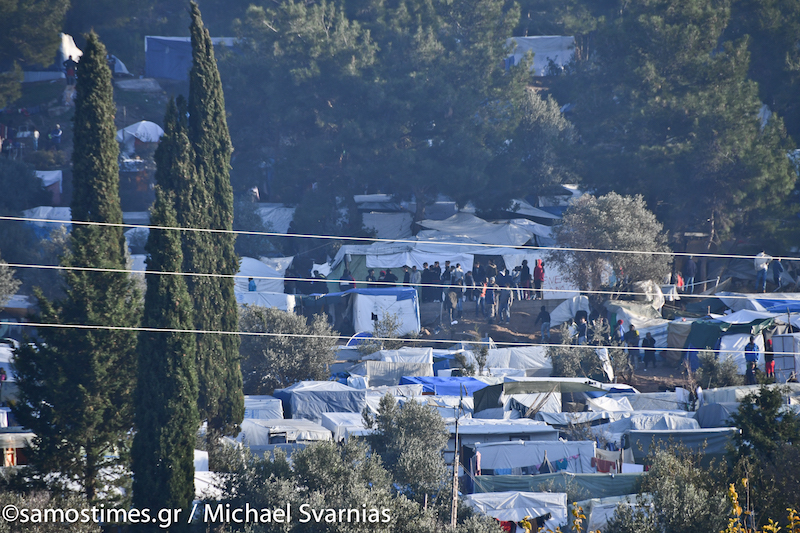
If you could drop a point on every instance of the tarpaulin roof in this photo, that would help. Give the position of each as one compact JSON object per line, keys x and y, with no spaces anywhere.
{"x":506,"y":233}
{"x":257,"y":432}
{"x":390,"y":372}
{"x":262,"y":406}
{"x":489,"y":397}
{"x":774,"y":302}
{"x":309,"y":399}
{"x":712,"y":443}
{"x":143,"y":130}
{"x":521,"y":453}
{"x":447,"y":386}
{"x":706,"y":332}
{"x":716,"y":415}
{"x":594,"y":485}
{"x":514,"y":506}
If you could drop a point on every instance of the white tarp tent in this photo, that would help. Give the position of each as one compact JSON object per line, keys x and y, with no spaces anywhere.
{"x":276,"y":217}
{"x":50,"y":177}
{"x":262,"y":406}
{"x":267,"y":273}
{"x":278,"y":300}
{"x":732,"y":347}
{"x":309,"y":399}
{"x":259,"y":432}
{"x":371,"y":306}
{"x":787,"y":356}
{"x":468,"y":226}
{"x":344,"y":425}
{"x":518,"y":357}
{"x":516,"y":456}
{"x":388,"y":373}
{"x":545,"y":48}
{"x":44,"y":212}
{"x":389,"y":225}
{"x":513,"y":506}
{"x":613,"y":431}
{"x":402,"y":355}
{"x":144,"y":131}
{"x":568,"y":309}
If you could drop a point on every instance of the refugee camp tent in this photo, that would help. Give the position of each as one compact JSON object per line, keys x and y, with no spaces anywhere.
{"x":54,"y":71}
{"x":344,"y":425}
{"x":613,"y":431}
{"x":532,"y":359}
{"x":786,"y":350}
{"x":278,"y":300}
{"x":258,"y":433}
{"x":309,"y":399}
{"x":568,"y":309}
{"x":716,"y":415}
{"x":389,"y":225}
{"x":495,"y":396}
{"x":143,"y":131}
{"x":712,"y":442}
{"x":52,"y":181}
{"x":359,"y":309}
{"x":268,"y":273}
{"x":468,"y":226}
{"x":599,"y":511}
{"x":448,"y":406}
{"x":262,"y":406}
{"x":528,"y":457}
{"x":171,"y":57}
{"x":402,"y":355}
{"x":593,"y":485}
{"x":472,"y":431}
{"x":514,"y":506}
{"x":379,"y":373}
{"x":772,"y":302}
{"x":737,"y":393}
{"x":558,"y":49}
{"x":706,"y":332}
{"x":677,"y":400}
{"x":446,"y":386}
{"x":276,"y":217}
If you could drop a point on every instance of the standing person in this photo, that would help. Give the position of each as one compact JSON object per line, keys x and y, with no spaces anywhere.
{"x":478,"y":273}
{"x":516,"y":282}
{"x":70,"y":66}
{"x":777,"y":270}
{"x":751,"y":358}
{"x":347,"y":281}
{"x":390,"y":277}
{"x":251,"y":285}
{"x":689,"y":273}
{"x":451,"y":301}
{"x":619,"y":333}
{"x":525,"y":279}
{"x":769,"y":360}
{"x":469,"y":284}
{"x":416,"y":279}
{"x":491,"y":270}
{"x":761,"y":264}
{"x":406,"y":276}
{"x":480,"y":299}
{"x":583,"y":330}
{"x":538,"y":280}
{"x":491,"y":299}
{"x":458,"y":273}
{"x":632,"y":340}
{"x":55,"y":137}
{"x":649,"y":348}
{"x":544,"y":317}
{"x":371,"y":279}
{"x":425,"y":276}
{"x":506,"y":299}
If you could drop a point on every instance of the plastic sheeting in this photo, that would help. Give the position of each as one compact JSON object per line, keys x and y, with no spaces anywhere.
{"x":284,"y":302}
{"x":787,"y":356}
{"x":712,"y":442}
{"x":309,"y":399}
{"x":380,"y":373}
{"x":658,"y":401}
{"x":60,"y":214}
{"x":518,"y":357}
{"x":737,"y":394}
{"x":732,"y":347}
{"x":267,"y":274}
{"x":599,"y":511}
{"x":613,"y":431}
{"x":264,"y":407}
{"x":344,"y":425}
{"x":403,"y":355}
{"x":474,"y":430}
{"x":49,"y":177}
{"x":518,"y":454}
{"x":466,"y":225}
{"x":367,"y":308}
{"x":389,"y":225}
{"x":545,"y":48}
{"x":276,"y":217}
{"x":257,"y":433}
{"x":593,"y":485}
{"x":605,"y":403}
{"x":568,"y":309}
{"x":145,"y":131}
{"x":448,"y":386}
{"x":716,"y":415}
{"x":514,"y":506}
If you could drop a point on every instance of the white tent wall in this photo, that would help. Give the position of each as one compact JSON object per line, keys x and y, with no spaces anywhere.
{"x":264,"y":407}
{"x":519,"y":357}
{"x":514,"y":506}
{"x":366,"y":306}
{"x":50,"y":177}
{"x":474,"y":430}
{"x":385,"y":373}
{"x":732,"y":347}
{"x":518,"y":454}
{"x":284,"y":302}
{"x":613,"y":431}
{"x":657,"y":401}
{"x":403,"y":355}
{"x":567,"y":309}
{"x":787,"y":356}
{"x":258,"y":432}
{"x":344,"y":425}
{"x":276,"y":217}
{"x":543,"y":401}
{"x":271,"y":269}
{"x":44,"y":212}
{"x":599,"y":511}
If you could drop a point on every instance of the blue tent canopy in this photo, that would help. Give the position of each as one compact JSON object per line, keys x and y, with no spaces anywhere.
{"x":445,"y":386}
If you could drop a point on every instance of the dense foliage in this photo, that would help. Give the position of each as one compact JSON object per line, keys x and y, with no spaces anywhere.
{"x":76,"y":385}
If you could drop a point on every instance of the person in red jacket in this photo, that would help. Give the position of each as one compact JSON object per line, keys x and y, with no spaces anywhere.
{"x":538,"y":280}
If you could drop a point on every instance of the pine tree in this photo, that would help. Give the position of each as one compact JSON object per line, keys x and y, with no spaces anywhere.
{"x":218,"y":369}
{"x":76,"y":385}
{"x":166,"y":394}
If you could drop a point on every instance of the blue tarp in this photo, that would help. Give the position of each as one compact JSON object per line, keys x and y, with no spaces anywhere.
{"x":309,"y":399}
{"x":779,"y":306}
{"x":445,"y":386}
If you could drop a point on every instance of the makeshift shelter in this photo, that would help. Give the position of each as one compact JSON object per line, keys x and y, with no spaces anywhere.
{"x":786,"y":349}
{"x":613,"y":431}
{"x":309,"y":399}
{"x":278,"y":300}
{"x":54,"y":71}
{"x":558,"y":49}
{"x":267,"y":273}
{"x":344,"y":425}
{"x":706,"y":332}
{"x":389,"y":225}
{"x":52,"y":181}
{"x":264,"y":407}
{"x":472,"y":431}
{"x":359,"y":309}
{"x":468,"y":226}
{"x":532,"y":457}
{"x":258,"y":433}
{"x":598,"y":511}
{"x":712,"y":442}
{"x":771,"y":303}
{"x":495,"y":396}
{"x":402,"y":355}
{"x":171,"y":57}
{"x":716,"y":415}
{"x":276,"y":217}
{"x":532,"y":359}
{"x":593,"y":485}
{"x":514,"y":506}
{"x":446,"y":386}
{"x":141,"y":133}
{"x":379,"y":373}
{"x":568,"y":309}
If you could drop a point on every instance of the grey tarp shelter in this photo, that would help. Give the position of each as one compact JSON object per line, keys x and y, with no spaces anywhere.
{"x":489,"y":397}
{"x":309,"y":399}
{"x":716,"y":415}
{"x":712,"y":442}
{"x":592,"y":485}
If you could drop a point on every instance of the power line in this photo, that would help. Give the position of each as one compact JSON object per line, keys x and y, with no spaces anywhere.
{"x":345,"y":337}
{"x":326,"y":280}
{"x":388,"y":241}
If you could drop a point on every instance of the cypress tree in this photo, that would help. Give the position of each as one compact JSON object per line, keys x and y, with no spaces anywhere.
{"x":76,"y":385}
{"x":218,"y":368}
{"x":166,"y":393}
